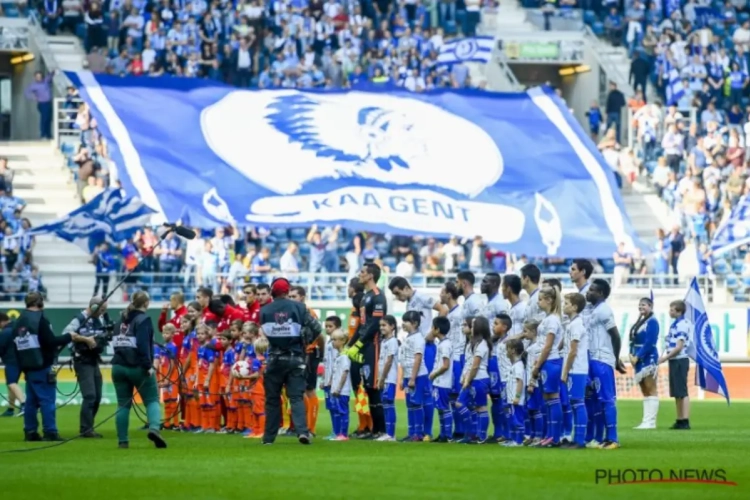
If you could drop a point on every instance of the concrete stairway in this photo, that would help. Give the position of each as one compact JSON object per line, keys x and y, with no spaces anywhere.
{"x":67,"y":51}
{"x":43,"y":182}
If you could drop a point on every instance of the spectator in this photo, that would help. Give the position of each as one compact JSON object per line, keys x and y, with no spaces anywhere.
{"x":453,"y":255}
{"x":6,"y":176}
{"x":72,"y":14}
{"x":406,"y":268}
{"x":623,"y":262}
{"x":317,"y":250}
{"x":370,"y":254}
{"x":289,"y":263}
{"x":93,"y":189}
{"x":615,"y":103}
{"x":261,"y":265}
{"x":51,"y":16}
{"x":95,"y":34}
{"x":193,"y":252}
{"x":41,"y":92}
{"x":104,"y":261}
{"x":639,"y":70}
{"x":209,"y":266}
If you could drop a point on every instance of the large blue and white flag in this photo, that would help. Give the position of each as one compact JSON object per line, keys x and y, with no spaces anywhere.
{"x":517,"y":169}
{"x":476,"y":49}
{"x":110,"y":217}
{"x":701,"y":347}
{"x":735,"y":231}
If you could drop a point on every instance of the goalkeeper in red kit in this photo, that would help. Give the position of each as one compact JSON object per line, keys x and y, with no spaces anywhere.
{"x":365,"y":343}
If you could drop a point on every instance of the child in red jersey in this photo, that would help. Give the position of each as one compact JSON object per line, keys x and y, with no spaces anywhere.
{"x":169,"y":378}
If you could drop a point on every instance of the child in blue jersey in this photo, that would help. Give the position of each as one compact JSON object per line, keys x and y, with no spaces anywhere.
{"x":475,"y":383}
{"x":332,"y":325}
{"x":576,"y":366}
{"x":415,"y":381}
{"x":442,"y":377}
{"x":341,"y":387}
{"x":515,"y":394}
{"x":501,"y":328}
{"x":388,"y":375}
{"x":675,"y":352}
{"x":644,"y":358}
{"x":549,"y":364}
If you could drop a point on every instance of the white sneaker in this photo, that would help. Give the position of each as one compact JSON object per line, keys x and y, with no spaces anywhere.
{"x":645,"y":425}
{"x":593,"y":444}
{"x":385,"y":438}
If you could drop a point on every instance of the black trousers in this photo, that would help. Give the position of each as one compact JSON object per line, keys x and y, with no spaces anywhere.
{"x":90,"y":382}
{"x":369,"y":377}
{"x":284,"y":371}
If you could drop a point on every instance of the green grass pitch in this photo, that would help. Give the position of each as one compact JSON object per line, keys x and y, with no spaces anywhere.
{"x":213,"y":467}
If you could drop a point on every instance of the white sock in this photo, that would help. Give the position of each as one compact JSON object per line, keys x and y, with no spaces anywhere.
{"x":653,"y":408}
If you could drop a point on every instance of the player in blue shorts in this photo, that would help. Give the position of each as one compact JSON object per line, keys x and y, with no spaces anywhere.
{"x":576,"y":366}
{"x":416,"y":383}
{"x":515,"y":394}
{"x":449,"y":297}
{"x":604,"y":358}
{"x":501,"y":328}
{"x":442,"y":377}
{"x":388,"y":371}
{"x":548,"y":365}
{"x":475,"y":382}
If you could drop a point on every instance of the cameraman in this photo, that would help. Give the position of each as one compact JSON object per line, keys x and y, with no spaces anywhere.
{"x":36,"y":350}
{"x":86,"y":360}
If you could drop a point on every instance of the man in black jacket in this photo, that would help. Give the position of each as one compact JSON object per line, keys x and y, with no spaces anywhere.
{"x":615,"y":103}
{"x":36,"y":350}
{"x":639,"y":70}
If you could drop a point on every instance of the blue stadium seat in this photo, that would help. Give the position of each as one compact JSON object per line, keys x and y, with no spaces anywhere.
{"x":418,"y":280}
{"x":720,"y":266}
{"x":304,"y":249}
{"x":718,"y":29}
{"x":390,"y":262}
{"x":280,"y":233}
{"x":598,"y":28}
{"x":742,"y":17}
{"x":450,"y":27}
{"x":746,"y":281}
{"x":81,"y":31}
{"x":732,"y":281}
{"x":741,"y":296}
{"x":608,"y":265}
{"x":589,"y":17}
{"x":10,"y":9}
{"x":737,"y":266}
{"x":382,"y":247}
{"x":299,"y":234}
{"x":274,"y":261}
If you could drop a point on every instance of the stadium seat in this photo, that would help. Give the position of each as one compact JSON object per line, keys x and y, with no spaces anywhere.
{"x":81,"y":31}
{"x":390,"y":263}
{"x":742,"y":17}
{"x":304,"y":250}
{"x":10,"y":9}
{"x":732,"y":282}
{"x":589,"y":17}
{"x":608,"y":265}
{"x":382,"y":247}
{"x":450,"y":27}
{"x":598,"y":28}
{"x":298,"y":234}
{"x":720,"y":266}
{"x":740,"y":295}
{"x":718,"y":29}
{"x":737,"y":266}
{"x":275,"y":262}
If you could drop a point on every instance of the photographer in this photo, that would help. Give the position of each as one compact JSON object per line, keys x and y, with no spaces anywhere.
{"x":92,"y":322}
{"x":36,"y":350}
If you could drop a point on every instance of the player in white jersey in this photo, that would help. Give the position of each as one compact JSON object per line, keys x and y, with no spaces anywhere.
{"x":341,"y":388}
{"x":515,"y":393}
{"x":531,"y":278}
{"x":416,"y":383}
{"x":511,"y":290}
{"x":476,"y":381}
{"x":604,"y":358}
{"x":501,"y":327}
{"x":473,"y":303}
{"x":548,"y":366}
{"x":332,"y":325}
{"x":449,"y":297}
{"x":576,"y":365}
{"x":388,"y":375}
{"x":442,"y":377}
{"x":425,"y":305}
{"x":496,"y":305}
{"x":567,"y":411}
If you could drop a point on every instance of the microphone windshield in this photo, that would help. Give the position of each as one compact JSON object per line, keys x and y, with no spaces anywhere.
{"x":186,"y":233}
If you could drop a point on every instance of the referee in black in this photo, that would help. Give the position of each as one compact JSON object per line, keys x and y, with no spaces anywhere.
{"x":285,"y":323}
{"x":365,"y":344}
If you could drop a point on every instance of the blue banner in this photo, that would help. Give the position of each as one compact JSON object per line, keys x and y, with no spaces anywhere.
{"x":514,"y":168}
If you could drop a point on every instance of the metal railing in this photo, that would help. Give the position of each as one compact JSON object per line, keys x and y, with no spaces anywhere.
{"x":75,"y":288}
{"x":63,"y":121}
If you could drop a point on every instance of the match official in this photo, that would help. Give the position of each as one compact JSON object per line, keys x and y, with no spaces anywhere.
{"x":89,"y":323}
{"x":285,"y":323}
{"x":36,"y":350}
{"x":365,"y":344}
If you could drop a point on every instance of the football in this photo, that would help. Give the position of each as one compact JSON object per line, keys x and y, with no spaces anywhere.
{"x":241,"y":368}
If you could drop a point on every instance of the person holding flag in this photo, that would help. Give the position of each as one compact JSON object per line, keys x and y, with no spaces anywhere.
{"x":678,"y":340}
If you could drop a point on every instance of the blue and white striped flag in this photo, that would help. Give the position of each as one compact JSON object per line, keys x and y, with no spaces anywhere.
{"x":701,"y":348}
{"x":109,"y":217}
{"x":675,"y":89}
{"x":735,"y":231}
{"x":477,"y":49}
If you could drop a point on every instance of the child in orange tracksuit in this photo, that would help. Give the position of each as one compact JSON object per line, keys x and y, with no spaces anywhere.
{"x":208,"y":380}
{"x":226,"y":382}
{"x":169,"y":379}
{"x":257,"y":393}
{"x":189,"y":368}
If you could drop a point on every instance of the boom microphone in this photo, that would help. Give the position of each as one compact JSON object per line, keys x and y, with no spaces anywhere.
{"x":186,"y":233}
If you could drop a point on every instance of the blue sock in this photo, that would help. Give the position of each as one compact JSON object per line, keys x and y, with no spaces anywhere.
{"x":610,"y":418}
{"x":458,"y":422}
{"x":599,"y":422}
{"x":474,"y":424}
{"x":538,"y":424}
{"x":333,"y":421}
{"x":429,"y":416}
{"x":419,"y":421}
{"x":527,"y":427}
{"x":446,"y":423}
{"x":483,"y":424}
{"x":390,"y":419}
{"x":344,"y":423}
{"x":567,"y":427}
{"x":336,"y":424}
{"x":465,"y":416}
{"x":554,"y":424}
{"x":581,"y":421}
{"x":410,"y":421}
{"x":590,"y":411}
{"x":497,"y":417}
{"x":545,"y":420}
{"x":508,"y":430}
